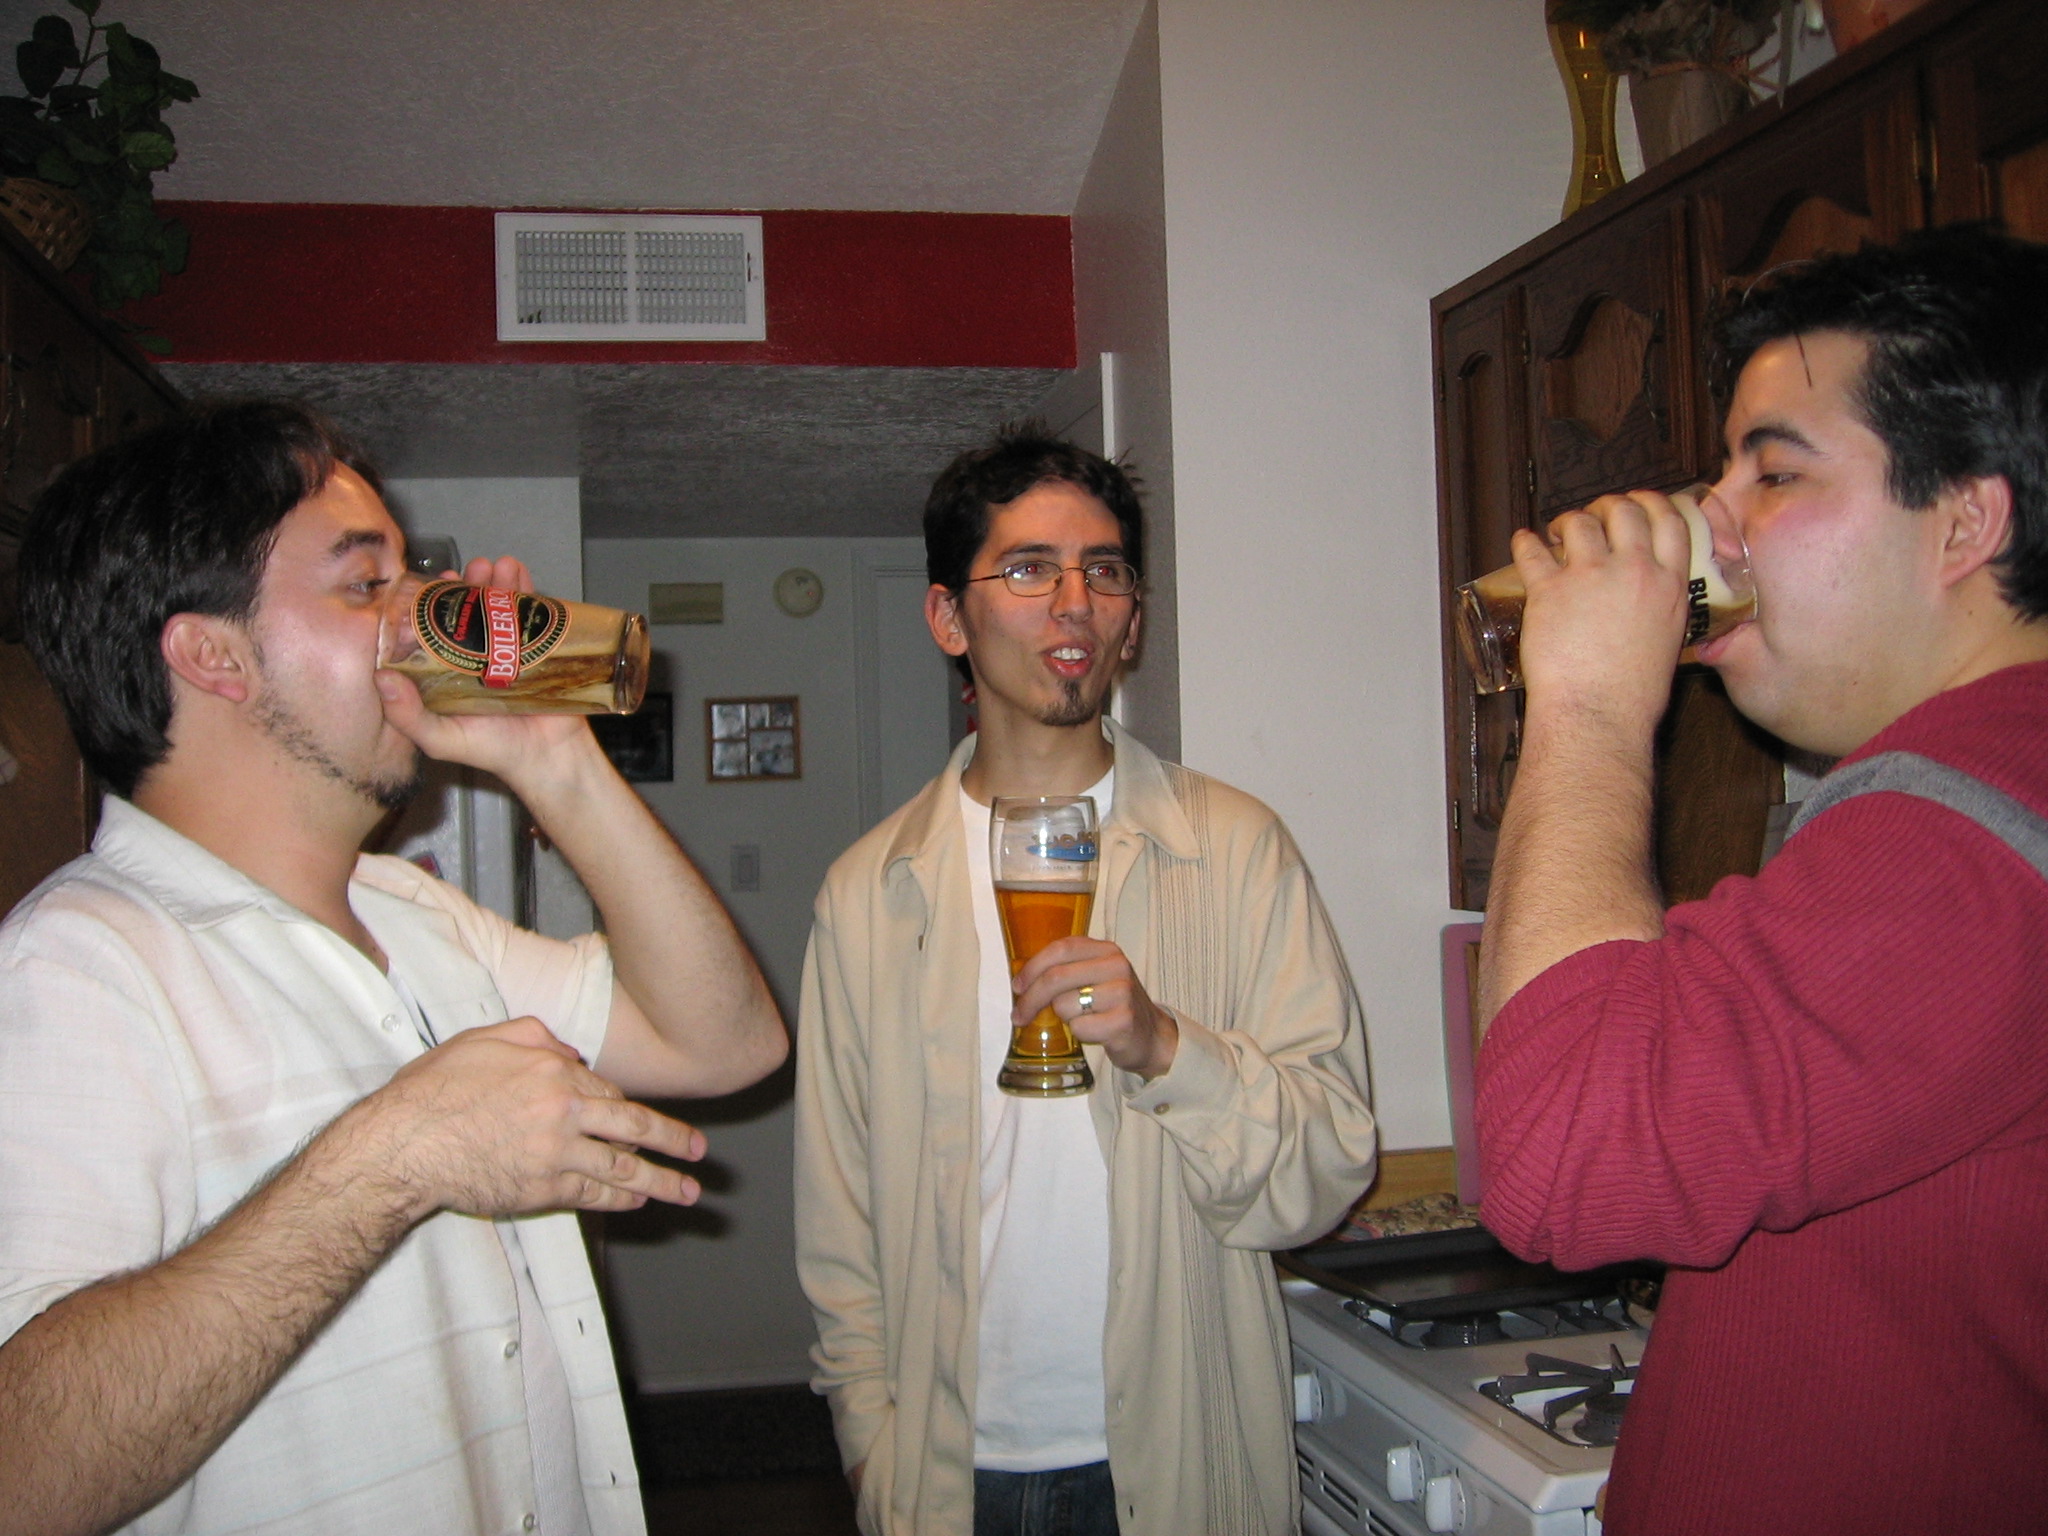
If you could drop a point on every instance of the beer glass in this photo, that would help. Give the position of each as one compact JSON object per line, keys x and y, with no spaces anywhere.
{"x":1720,"y":595}
{"x":490,"y":651}
{"x":1042,"y":854}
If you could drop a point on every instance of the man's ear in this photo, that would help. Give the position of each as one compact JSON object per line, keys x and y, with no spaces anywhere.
{"x":1977,"y":525}
{"x":942,"y":614}
{"x":210,"y":654}
{"x":1130,"y":650}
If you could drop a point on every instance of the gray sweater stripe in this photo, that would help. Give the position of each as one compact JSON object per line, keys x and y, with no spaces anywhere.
{"x":1908,"y":773}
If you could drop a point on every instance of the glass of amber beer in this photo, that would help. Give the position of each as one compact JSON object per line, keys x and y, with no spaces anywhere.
{"x":1042,"y":854}
{"x":1719,"y":596}
{"x":492,"y":651}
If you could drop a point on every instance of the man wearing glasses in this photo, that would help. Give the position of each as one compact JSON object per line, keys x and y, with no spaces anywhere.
{"x":1058,"y":1315}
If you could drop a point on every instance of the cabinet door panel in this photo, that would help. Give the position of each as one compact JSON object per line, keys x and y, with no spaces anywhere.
{"x":1988,"y":95}
{"x":63,"y":391}
{"x":1610,"y":399}
{"x":1717,"y":778}
{"x":128,"y":403}
{"x":49,"y":388}
{"x":1483,"y":486}
{"x":46,"y":800}
{"x":1845,"y":171}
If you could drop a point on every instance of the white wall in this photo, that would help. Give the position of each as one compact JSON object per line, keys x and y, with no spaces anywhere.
{"x":1330,"y":165}
{"x":709,"y":1298}
{"x":1120,"y":307}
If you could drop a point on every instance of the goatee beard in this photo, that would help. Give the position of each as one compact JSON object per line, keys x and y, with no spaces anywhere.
{"x":392,"y":793}
{"x":1073,"y":708}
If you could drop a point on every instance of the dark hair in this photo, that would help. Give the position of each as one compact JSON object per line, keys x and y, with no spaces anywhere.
{"x":1023,"y":456}
{"x":1956,"y":384}
{"x":176,"y":519}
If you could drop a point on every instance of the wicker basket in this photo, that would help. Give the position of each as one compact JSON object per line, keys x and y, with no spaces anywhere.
{"x":57,"y":223}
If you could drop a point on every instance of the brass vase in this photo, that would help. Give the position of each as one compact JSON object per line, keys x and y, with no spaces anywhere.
{"x":1590,"y":88}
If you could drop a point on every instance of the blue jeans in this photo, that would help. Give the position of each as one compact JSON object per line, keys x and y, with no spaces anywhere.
{"x":1066,"y":1501}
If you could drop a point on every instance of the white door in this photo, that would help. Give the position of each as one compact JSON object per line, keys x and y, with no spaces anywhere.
{"x":904,"y":681}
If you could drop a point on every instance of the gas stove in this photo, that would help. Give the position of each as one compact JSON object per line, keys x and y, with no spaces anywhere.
{"x":1491,"y":1423}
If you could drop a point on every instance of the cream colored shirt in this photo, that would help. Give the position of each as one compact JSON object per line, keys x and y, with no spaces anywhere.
{"x":170,"y":1032}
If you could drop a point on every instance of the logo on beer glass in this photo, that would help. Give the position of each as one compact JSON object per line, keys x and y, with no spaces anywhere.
{"x":487,"y":630}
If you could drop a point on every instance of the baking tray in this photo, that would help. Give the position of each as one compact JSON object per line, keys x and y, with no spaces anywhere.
{"x":1424,"y":1276}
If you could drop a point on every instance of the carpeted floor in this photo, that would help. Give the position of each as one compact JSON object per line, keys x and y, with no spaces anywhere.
{"x":749,"y":1432}
{"x":754,"y":1462}
{"x":811,"y":1505}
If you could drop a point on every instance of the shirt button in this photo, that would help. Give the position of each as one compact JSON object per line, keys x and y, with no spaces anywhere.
{"x":528,"y":1523}
{"x":511,"y":1348}
{"x":389,"y":1021}
{"x":1160,"y":1109}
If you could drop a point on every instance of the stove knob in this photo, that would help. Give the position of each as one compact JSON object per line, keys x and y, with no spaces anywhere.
{"x":1308,"y":1397}
{"x":1404,"y":1473}
{"x":1443,"y":1503}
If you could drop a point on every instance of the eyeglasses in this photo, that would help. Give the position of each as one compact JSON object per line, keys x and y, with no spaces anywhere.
{"x":1040,"y":578}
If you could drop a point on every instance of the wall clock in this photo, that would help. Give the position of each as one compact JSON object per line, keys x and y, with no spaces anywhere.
{"x":798,"y":592}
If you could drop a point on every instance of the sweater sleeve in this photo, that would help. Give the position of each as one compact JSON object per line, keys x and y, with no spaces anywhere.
{"x":1870,"y":1008}
{"x":1268,"y":1110}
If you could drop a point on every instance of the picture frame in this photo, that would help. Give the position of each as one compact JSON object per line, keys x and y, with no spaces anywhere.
{"x":752,"y":739}
{"x":641,"y":745}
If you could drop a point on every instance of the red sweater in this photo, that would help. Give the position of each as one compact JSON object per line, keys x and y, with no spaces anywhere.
{"x":1823,"y":1096}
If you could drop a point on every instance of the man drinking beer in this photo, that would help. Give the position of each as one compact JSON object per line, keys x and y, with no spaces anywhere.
{"x":1056,"y":1314}
{"x":267,"y":1106}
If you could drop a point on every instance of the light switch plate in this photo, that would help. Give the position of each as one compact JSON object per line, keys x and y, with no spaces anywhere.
{"x":746,"y":866}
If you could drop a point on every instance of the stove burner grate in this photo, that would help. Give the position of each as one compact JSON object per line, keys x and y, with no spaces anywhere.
{"x":1553,"y":1389}
{"x":1596,"y":1314}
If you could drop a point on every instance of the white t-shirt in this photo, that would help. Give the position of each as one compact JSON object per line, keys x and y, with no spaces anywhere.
{"x":1044,"y":1232}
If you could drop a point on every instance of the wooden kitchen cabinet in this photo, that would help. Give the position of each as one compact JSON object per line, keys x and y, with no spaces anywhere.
{"x":1987,"y":88}
{"x":68,"y":383}
{"x":1844,"y":171}
{"x":1611,"y":375}
{"x":1482,"y":440}
{"x":1579,"y":364}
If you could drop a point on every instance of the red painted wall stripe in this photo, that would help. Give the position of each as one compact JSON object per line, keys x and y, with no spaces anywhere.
{"x":365,"y":283}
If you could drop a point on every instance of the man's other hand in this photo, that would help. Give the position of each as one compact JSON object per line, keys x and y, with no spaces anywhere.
{"x":504,"y":1120}
{"x":1137,"y":1034}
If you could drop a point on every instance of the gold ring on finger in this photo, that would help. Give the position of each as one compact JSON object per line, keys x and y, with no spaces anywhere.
{"x":1087,"y":996}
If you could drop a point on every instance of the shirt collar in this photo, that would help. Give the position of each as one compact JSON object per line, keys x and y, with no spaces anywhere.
{"x":193,"y":885}
{"x":1145,"y":801}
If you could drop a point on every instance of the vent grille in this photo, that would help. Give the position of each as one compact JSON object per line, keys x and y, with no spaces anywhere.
{"x":1318,"y":1477}
{"x":629,"y":277}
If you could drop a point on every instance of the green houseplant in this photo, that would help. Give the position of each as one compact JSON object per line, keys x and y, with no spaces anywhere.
{"x":102,"y":140}
{"x":1687,"y":60}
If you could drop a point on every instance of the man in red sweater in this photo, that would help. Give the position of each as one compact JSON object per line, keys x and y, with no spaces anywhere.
{"x":1820,"y":1094}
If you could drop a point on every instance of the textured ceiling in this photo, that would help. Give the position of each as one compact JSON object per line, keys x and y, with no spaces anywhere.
{"x":964,"y":106}
{"x":971,"y":106}
{"x":665,"y":449}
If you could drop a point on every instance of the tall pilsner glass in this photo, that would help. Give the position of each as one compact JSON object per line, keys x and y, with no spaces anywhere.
{"x":1042,"y":853}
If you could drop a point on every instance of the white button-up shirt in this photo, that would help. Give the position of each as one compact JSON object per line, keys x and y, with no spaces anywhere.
{"x":170,"y":1032}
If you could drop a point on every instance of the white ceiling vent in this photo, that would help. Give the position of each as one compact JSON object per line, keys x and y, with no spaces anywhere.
{"x":629,"y":277}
